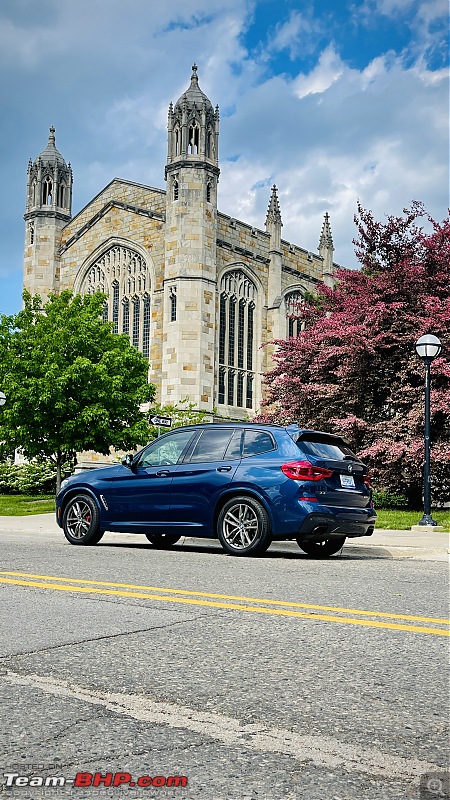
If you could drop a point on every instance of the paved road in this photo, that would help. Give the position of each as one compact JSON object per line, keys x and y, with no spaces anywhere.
{"x":256,"y":679}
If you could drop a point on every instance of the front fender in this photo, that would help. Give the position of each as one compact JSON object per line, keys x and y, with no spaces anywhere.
{"x":71,"y":492}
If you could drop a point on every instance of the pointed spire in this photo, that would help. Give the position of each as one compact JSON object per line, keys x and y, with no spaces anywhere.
{"x":194,"y":76}
{"x":273,"y":212}
{"x":51,"y":138}
{"x":326,"y":238}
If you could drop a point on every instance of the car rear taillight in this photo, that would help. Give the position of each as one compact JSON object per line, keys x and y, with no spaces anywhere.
{"x":366,"y":479}
{"x":304,"y":471}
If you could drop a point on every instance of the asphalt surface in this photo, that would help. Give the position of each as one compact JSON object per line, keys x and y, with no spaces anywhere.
{"x":428,"y":544}
{"x":304,"y":680}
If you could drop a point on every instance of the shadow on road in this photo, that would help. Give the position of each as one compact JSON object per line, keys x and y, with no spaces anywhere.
{"x":285,"y":555}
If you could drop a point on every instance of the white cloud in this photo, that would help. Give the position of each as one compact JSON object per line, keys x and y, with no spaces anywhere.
{"x":337,"y":135}
{"x":296,"y":35}
{"x":328,"y":70}
{"x":104,"y":74}
{"x":426,"y":20}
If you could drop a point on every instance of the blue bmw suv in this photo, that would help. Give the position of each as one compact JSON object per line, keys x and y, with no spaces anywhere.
{"x":244,"y":483}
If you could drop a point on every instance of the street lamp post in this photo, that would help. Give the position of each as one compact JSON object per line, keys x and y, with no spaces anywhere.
{"x":427,"y":347}
{"x":2,"y":399}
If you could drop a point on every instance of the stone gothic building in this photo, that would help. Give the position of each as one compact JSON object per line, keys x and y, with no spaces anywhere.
{"x":197,"y":291}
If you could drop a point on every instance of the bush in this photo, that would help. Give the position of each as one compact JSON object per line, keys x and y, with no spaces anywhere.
{"x":29,"y":479}
{"x":383,"y":498}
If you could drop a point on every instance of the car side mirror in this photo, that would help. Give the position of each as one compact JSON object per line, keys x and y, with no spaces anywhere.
{"x":127,"y":460}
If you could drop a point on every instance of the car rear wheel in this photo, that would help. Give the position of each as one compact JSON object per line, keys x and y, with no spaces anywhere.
{"x":162,"y":540}
{"x":243,"y":527}
{"x":81,"y":520}
{"x":327,"y":547}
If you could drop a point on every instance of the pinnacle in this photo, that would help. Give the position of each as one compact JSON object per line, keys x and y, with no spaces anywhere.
{"x":273,"y":212}
{"x":326,"y":238}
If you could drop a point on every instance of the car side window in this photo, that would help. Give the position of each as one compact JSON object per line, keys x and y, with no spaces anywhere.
{"x":211,"y":445}
{"x":233,"y":450}
{"x":257,"y":442}
{"x":165,"y":452}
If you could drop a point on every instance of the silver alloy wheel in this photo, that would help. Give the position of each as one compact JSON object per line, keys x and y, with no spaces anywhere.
{"x":78,"y":519}
{"x":240,"y":526}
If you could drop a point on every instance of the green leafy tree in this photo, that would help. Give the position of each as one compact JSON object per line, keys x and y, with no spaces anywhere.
{"x":71,"y":383}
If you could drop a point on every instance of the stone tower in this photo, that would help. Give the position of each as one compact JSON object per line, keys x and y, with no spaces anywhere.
{"x":48,"y":210}
{"x":192,"y":174}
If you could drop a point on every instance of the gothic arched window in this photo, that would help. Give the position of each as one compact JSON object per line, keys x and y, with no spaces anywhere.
{"x":177,"y":134}
{"x":173,"y":303}
{"x":123,"y":274}
{"x":61,"y":195}
{"x":47,"y":188}
{"x":194,"y":139}
{"x":294,"y":305}
{"x":136,"y":321}
{"x":237,"y":301}
{"x":126,"y":315}
{"x":208,"y":143}
{"x":208,"y":192}
{"x":115,"y":307}
{"x":175,"y":190}
{"x":146,"y":326}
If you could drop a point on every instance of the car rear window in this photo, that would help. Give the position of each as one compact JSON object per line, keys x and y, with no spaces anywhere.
{"x":211,"y":445}
{"x":256,"y":442}
{"x":333,"y":449}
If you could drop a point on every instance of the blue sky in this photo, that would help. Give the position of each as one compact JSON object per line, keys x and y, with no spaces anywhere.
{"x":332,"y":100}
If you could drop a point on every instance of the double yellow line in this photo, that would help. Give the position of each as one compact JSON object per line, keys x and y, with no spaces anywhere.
{"x":258,"y":605}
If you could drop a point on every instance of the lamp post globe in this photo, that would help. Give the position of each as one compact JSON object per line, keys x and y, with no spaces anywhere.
{"x":428,"y":347}
{"x":2,"y":399}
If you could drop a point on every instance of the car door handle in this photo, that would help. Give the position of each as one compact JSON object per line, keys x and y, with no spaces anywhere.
{"x":162,"y":473}
{"x":223,"y":469}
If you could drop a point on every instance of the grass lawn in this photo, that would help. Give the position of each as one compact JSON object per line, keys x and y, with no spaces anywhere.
{"x":20,"y":505}
{"x":402,"y":520}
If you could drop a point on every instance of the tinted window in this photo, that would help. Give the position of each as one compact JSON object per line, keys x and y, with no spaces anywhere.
{"x":233,"y":450}
{"x":330,"y":449}
{"x":212,"y":445}
{"x":166,"y":451}
{"x":257,"y":442}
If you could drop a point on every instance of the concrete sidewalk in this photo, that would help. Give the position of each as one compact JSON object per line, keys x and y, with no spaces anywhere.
{"x":427,"y":545}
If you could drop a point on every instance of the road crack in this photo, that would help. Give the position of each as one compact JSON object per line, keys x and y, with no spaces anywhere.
{"x":6,"y":659}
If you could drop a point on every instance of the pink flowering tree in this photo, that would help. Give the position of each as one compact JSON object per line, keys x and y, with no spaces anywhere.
{"x":354,"y":369}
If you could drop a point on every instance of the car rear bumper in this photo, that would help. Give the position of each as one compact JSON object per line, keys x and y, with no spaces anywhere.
{"x":348,"y":522}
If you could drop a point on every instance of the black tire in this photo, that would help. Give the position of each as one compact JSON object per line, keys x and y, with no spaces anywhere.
{"x":243,"y":527}
{"x":81,"y":521}
{"x":323,"y":549}
{"x":162,"y":540}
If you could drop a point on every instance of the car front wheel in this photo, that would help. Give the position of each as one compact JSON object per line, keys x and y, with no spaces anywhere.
{"x":323,"y":549}
{"x":243,"y":527}
{"x":162,"y":540}
{"x":81,"y":521}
